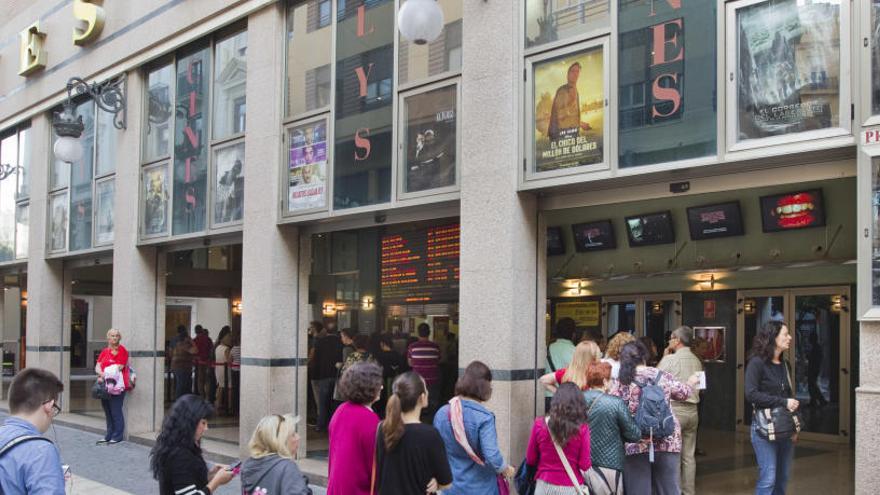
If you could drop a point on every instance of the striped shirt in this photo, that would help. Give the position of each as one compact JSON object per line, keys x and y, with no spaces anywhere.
{"x":424,"y":358}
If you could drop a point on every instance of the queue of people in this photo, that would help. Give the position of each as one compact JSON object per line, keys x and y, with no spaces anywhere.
{"x":205,"y":367}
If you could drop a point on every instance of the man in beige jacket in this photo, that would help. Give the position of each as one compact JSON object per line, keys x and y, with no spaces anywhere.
{"x":679,"y":361}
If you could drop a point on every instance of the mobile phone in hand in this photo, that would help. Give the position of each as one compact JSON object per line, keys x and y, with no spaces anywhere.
{"x":235,"y":468}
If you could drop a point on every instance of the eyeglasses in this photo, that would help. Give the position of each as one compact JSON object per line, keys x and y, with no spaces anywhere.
{"x":56,"y":408}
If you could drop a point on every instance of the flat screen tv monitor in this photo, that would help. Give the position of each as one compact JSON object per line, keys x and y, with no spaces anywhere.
{"x":792,"y":211}
{"x":593,"y":236}
{"x":713,"y":221}
{"x":650,"y":229}
{"x":555,"y":242}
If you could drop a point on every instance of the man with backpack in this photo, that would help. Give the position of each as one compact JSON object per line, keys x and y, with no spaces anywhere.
{"x":680,"y":362}
{"x":30,"y":462}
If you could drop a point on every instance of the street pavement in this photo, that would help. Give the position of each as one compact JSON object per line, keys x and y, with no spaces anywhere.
{"x":118,"y":469}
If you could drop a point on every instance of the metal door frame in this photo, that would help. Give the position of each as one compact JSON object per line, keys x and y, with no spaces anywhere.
{"x":639,"y":300}
{"x":789,"y":295}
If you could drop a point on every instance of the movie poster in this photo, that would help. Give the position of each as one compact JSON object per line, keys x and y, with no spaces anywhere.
{"x":104,"y":191}
{"x":430,"y":139}
{"x":229,"y":183}
{"x":709,"y":344}
{"x":58,"y":222}
{"x":155,"y":184}
{"x":875,"y":57}
{"x":307,"y":166}
{"x":789,"y":67}
{"x":569,"y":105}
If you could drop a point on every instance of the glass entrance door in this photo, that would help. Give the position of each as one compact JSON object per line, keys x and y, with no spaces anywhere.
{"x":818,"y":319}
{"x":654,"y":315}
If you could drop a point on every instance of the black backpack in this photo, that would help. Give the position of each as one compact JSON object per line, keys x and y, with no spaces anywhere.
{"x":654,"y":416}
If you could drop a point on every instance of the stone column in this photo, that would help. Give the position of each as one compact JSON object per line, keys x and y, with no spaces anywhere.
{"x":867,"y":427}
{"x":46,"y":284}
{"x":138,"y":278}
{"x":270,"y":262}
{"x":499,"y":264}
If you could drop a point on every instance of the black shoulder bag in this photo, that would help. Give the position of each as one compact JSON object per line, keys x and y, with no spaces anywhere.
{"x":777,"y":423}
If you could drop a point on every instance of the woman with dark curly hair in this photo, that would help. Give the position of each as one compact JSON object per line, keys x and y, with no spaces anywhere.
{"x":353,"y":431}
{"x":564,"y":431}
{"x":176,"y":459}
{"x":768,"y":385}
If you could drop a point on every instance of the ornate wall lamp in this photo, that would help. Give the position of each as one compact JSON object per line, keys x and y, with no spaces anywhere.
{"x":6,"y":170}
{"x":109,"y":96}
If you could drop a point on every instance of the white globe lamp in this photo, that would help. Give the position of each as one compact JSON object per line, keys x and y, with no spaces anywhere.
{"x":420,"y":21}
{"x":68,"y":149}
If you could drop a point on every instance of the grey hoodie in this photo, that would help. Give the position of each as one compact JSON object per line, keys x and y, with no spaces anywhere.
{"x":273,"y":475}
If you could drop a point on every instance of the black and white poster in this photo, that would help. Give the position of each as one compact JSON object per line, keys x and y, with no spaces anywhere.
{"x":789,"y":67}
{"x":229,"y":184}
{"x":430,"y":139}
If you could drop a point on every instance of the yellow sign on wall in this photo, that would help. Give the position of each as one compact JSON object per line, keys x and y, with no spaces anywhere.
{"x":584,"y":314}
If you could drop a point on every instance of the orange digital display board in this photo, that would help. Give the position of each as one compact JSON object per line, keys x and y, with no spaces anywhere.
{"x":421,"y":266}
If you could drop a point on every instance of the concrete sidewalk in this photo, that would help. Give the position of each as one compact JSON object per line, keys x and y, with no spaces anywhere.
{"x":112,"y":469}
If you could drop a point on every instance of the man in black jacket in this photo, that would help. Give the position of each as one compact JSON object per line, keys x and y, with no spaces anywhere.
{"x":327,"y":352}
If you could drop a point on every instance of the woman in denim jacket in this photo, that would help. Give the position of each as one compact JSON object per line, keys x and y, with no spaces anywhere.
{"x":477,"y":468}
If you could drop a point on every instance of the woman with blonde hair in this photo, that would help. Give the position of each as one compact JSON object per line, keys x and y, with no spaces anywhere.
{"x":586,"y":353}
{"x":271,"y":470}
{"x":612,"y":353}
{"x":114,"y":374}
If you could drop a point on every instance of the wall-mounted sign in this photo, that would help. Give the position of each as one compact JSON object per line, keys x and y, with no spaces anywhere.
{"x":584,"y":314}
{"x":650,"y":229}
{"x":709,"y":344}
{"x":593,"y":236}
{"x":718,"y":220}
{"x":791,"y":211}
{"x":420,"y":266}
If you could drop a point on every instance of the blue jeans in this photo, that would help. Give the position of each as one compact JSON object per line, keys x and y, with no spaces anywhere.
{"x":774,"y":464}
{"x":182,"y":383}
{"x":113,"y":415}
{"x":324,"y":398}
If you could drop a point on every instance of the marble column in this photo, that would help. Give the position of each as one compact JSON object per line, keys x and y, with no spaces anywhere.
{"x":269,"y":365}
{"x":138,"y":278}
{"x":500,"y":269}
{"x":46,"y":284}
{"x":867,"y":427}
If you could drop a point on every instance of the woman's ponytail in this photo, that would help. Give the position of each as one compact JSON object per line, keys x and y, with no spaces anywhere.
{"x":392,"y":427}
{"x":407,"y":389}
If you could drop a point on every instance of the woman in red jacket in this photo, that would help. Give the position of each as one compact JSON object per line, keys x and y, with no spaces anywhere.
{"x":113,"y":361}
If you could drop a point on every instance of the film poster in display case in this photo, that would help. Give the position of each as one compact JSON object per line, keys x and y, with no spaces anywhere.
{"x":569,"y":110}
{"x":58,"y":222}
{"x":104,"y":191}
{"x":155,"y":184}
{"x":431,"y":139}
{"x":789,"y":66}
{"x":307,"y":166}
{"x":709,"y":344}
{"x":229,"y":183}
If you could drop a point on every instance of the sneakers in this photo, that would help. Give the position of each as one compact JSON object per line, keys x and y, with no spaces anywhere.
{"x":102,"y":442}
{"x":112,"y":442}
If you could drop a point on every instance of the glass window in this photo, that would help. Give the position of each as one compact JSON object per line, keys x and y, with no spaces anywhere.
{"x":309,"y":39}
{"x":364,"y":99}
{"x":230,"y":76}
{"x":788,"y":60}
{"x":552,"y":20}
{"x":875,"y":57}
{"x":157,"y":141}
{"x":105,"y":147}
{"x":416,"y":62}
{"x":24,"y":162}
{"x":229,"y":183}
{"x":307,"y":166}
{"x":666,"y":82}
{"x":568,"y":98}
{"x":9,"y":155}
{"x":430,"y":139}
{"x":58,"y":221}
{"x":104,"y":191}
{"x":190,"y":143}
{"x":156,"y":195}
{"x":81,"y":183}
{"x":21,"y":231}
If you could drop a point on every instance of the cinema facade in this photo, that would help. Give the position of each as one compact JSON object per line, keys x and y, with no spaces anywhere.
{"x":632,"y":165}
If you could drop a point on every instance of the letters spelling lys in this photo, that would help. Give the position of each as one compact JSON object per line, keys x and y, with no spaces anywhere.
{"x":32,"y":40}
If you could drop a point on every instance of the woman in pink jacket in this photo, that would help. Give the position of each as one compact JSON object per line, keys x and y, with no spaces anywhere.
{"x":566,"y":429}
{"x":353,"y":431}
